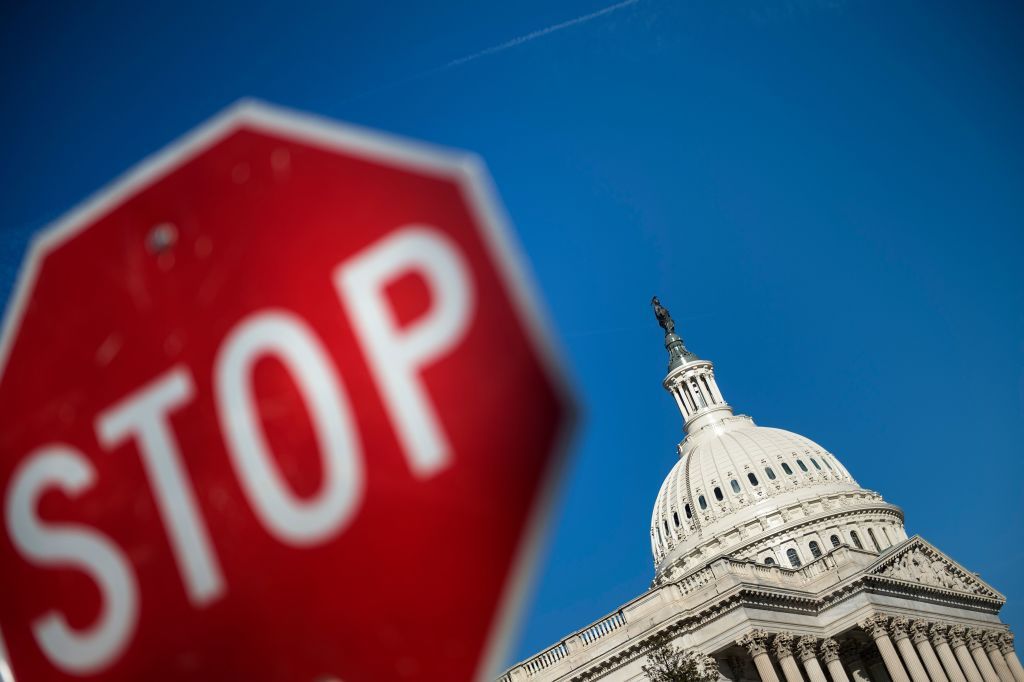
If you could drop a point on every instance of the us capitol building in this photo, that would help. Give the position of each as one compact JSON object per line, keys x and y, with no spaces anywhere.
{"x":772,"y":563}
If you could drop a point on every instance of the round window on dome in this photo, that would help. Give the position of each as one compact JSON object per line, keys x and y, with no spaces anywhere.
{"x":769,"y":473}
{"x":785,"y":467}
{"x":801,"y":464}
{"x":735,"y":486}
{"x":752,"y":478}
{"x":702,"y":502}
{"x":718,"y":494}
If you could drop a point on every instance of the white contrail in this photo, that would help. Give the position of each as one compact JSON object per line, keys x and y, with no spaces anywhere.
{"x":539,"y":33}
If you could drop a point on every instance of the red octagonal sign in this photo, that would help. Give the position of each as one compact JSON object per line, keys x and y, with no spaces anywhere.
{"x":278,"y":405}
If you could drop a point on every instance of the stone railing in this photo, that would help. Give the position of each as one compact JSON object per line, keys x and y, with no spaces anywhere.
{"x":603,"y":627}
{"x":690,"y":584}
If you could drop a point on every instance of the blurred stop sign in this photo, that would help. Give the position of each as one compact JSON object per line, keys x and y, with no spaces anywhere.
{"x":278,"y":405}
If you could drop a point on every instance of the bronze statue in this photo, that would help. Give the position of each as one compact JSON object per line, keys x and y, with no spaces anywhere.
{"x":664,"y":318}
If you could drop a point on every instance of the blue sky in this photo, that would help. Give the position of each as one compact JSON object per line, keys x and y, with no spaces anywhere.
{"x":829,"y":196}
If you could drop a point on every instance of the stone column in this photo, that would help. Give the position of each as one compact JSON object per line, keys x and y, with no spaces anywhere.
{"x":850,"y":656}
{"x":875,"y":627}
{"x":919,"y":636}
{"x":830,"y":654}
{"x":977,"y":649}
{"x":937,"y":635}
{"x":1006,"y":649}
{"x":963,"y":656}
{"x":899,"y":629}
{"x":756,"y":644}
{"x":991,"y":643}
{"x":783,"y":648}
{"x":806,"y":649}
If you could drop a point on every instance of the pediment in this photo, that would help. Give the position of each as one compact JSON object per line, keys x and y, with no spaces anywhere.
{"x":917,"y":561}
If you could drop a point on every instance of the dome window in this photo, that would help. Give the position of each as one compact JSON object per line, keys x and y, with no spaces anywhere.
{"x":718,"y":494}
{"x":835,"y":540}
{"x":815,"y":549}
{"x":665,"y":521}
{"x":825,"y":460}
{"x":768,"y":472}
{"x":815,"y":463}
{"x":752,"y":478}
{"x":689,"y":514}
{"x":874,"y":540}
{"x":735,"y":486}
{"x":856,"y":539}
{"x":801,"y":464}
{"x":702,"y":502}
{"x":768,"y":561}
{"x":675,"y":518}
{"x":794,"y":559}
{"x":785,"y":467}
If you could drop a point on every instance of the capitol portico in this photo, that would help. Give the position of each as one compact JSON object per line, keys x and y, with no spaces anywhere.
{"x":774,"y":565}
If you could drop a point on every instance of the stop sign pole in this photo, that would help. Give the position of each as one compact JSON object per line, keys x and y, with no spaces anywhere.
{"x":280,"y":404}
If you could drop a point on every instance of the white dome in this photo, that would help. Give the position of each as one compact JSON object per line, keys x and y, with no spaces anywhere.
{"x":735,"y":480}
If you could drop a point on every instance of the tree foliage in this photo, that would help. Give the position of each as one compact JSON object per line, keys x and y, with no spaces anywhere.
{"x":668,"y":663}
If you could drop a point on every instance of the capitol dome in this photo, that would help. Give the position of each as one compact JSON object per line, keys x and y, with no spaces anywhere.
{"x":753,"y":492}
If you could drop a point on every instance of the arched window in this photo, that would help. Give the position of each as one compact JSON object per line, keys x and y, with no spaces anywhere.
{"x":888,"y":539}
{"x":825,"y":460}
{"x":768,"y":561}
{"x":801,"y":464}
{"x":785,"y":467}
{"x":718,"y":494}
{"x":752,"y":478}
{"x":665,"y":521}
{"x":835,"y":540}
{"x":794,"y":559}
{"x":856,"y":539}
{"x":874,"y":540}
{"x":675,"y":518}
{"x":689,"y":514}
{"x":815,"y":549}
{"x":702,"y":502}
{"x":768,"y":472}
{"x":815,"y":463}
{"x":735,"y":486}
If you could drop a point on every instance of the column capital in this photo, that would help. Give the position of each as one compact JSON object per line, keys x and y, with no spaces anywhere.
{"x":898,"y":627}
{"x":919,"y":631}
{"x":974,"y":639}
{"x":937,"y":633}
{"x":782,"y":645}
{"x":874,"y":625}
{"x":957,"y":635}
{"x":755,"y":642}
{"x":1006,"y":643}
{"x":990,"y":640}
{"x":806,"y":646}
{"x":829,"y":650}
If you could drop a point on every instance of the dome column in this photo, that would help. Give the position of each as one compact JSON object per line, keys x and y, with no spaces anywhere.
{"x":977,"y":649}
{"x":937,"y":635}
{"x":899,"y":630}
{"x":991,"y":643}
{"x":756,"y":644}
{"x":919,"y":636}
{"x":830,"y":654}
{"x":805,"y":647}
{"x":1010,"y":656}
{"x":783,"y":649}
{"x":963,"y":656}
{"x":875,"y":628}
